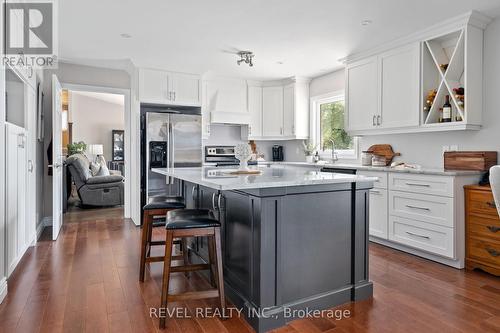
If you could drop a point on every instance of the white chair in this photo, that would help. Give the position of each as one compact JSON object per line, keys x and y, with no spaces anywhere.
{"x":495,"y":184}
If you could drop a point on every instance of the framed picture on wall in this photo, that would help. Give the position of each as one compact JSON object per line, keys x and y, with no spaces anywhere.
{"x":118,"y":144}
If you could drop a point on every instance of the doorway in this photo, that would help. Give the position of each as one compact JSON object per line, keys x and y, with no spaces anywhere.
{"x":95,"y":141}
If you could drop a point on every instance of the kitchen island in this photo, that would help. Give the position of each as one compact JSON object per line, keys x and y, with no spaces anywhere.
{"x":292,"y":238}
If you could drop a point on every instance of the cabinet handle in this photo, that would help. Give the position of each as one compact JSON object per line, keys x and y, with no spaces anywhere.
{"x":213,"y":201}
{"x":416,"y":207}
{"x":375,"y":191}
{"x":373,"y":120}
{"x":30,"y":166}
{"x":174,"y":95}
{"x":293,"y":129}
{"x":493,"y":228}
{"x":491,"y":204}
{"x":192,"y":193}
{"x":417,"y":235}
{"x":421,"y":185}
{"x":249,"y":129}
{"x":219,"y":198}
{"x":281,"y":130}
{"x":493,"y":252}
{"x":208,"y":129}
{"x":379,"y":120}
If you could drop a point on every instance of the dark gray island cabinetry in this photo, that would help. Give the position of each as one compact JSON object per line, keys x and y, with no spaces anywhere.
{"x":289,"y":247}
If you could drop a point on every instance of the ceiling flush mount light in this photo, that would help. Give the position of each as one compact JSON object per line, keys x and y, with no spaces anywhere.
{"x":366,"y":22}
{"x":246,"y":57}
{"x":125,"y":35}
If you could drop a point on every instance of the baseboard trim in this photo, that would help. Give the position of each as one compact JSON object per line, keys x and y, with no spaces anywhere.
{"x":45,"y":222}
{"x":3,"y":289}
{"x":455,"y":263}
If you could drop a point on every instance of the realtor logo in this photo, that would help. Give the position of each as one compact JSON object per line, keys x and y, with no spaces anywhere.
{"x":30,"y":33}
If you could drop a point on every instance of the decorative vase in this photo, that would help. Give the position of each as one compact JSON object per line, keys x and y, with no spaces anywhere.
{"x":309,"y":158}
{"x":243,"y":153}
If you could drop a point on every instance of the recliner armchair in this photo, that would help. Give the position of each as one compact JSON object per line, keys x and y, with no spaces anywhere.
{"x":95,"y":190}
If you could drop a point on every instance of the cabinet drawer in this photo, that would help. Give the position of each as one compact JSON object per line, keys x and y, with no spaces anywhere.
{"x":426,"y":184}
{"x":420,"y":235}
{"x":485,"y":251}
{"x":482,"y":202}
{"x":426,"y":208}
{"x":382,"y":178}
{"x":483,"y":227}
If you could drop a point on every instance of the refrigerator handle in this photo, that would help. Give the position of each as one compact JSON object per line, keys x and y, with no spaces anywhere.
{"x":170,"y":148}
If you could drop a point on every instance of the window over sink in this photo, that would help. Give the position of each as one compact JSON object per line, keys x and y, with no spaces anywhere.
{"x":328,"y":114}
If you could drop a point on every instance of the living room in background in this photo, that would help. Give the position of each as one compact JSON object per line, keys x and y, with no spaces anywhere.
{"x":95,"y":178}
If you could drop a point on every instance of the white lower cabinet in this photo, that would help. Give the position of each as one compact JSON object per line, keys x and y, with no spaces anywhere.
{"x":420,"y":235}
{"x":378,"y":213}
{"x":15,"y":203}
{"x":419,"y":213}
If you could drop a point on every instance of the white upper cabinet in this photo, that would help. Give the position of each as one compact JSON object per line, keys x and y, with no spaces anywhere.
{"x":279,"y":110}
{"x":153,"y":86}
{"x":400,"y":72}
{"x":185,"y":88}
{"x":387,"y":88}
{"x":255,"y":110}
{"x":161,"y":87}
{"x":289,"y":110}
{"x":272,"y":111}
{"x":362,"y":94}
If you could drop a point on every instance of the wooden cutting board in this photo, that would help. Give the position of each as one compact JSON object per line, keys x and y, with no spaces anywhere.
{"x":384,"y":150}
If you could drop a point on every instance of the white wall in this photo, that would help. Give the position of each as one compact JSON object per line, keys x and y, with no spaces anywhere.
{"x":94,"y":119}
{"x":426,"y":148}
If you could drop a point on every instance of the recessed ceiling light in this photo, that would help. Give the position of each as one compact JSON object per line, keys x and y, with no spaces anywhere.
{"x":280,"y":62}
{"x":366,"y":22}
{"x":124,"y":35}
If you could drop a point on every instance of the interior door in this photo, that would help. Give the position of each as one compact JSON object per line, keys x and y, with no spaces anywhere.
{"x":57,"y":158}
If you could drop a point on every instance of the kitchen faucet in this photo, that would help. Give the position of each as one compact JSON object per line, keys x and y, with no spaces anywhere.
{"x":335,"y":158}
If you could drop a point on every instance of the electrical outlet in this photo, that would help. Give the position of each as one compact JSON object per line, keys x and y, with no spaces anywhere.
{"x":454,"y":148}
{"x":446,"y":148}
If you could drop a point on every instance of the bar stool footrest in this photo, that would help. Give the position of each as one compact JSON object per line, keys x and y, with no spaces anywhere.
{"x":189,"y":268}
{"x":190,"y":295}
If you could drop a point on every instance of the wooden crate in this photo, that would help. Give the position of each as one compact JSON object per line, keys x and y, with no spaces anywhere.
{"x":470,"y":160}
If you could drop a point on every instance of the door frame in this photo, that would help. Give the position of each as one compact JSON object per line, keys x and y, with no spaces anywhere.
{"x":128,"y":132}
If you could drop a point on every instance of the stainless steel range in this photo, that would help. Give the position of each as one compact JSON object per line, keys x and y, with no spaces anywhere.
{"x":222,"y":156}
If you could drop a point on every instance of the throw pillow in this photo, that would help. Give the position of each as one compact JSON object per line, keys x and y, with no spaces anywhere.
{"x":103,"y":171}
{"x":94,"y":168}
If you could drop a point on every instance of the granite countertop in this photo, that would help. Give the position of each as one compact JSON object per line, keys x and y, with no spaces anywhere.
{"x":423,"y":171}
{"x":271,"y":176}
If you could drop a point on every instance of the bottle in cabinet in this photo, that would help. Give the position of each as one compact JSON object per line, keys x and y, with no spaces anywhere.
{"x":447,"y":110}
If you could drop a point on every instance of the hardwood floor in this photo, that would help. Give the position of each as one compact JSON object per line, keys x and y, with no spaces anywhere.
{"x":87,"y":281}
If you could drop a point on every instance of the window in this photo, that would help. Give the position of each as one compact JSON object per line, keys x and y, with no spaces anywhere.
{"x":328,"y":119}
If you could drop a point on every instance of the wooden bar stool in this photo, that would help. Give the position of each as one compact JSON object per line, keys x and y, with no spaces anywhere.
{"x":193,"y":223}
{"x":157,"y":206}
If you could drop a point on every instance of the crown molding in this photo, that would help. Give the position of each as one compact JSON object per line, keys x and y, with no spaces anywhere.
{"x":472,"y":18}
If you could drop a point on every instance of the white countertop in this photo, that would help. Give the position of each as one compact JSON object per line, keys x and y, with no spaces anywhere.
{"x":271,"y":176}
{"x":425,"y":171}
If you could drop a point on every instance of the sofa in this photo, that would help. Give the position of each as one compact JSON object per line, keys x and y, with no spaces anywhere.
{"x":95,"y":190}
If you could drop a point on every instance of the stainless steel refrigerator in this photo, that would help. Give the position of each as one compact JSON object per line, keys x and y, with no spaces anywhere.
{"x":170,"y":137}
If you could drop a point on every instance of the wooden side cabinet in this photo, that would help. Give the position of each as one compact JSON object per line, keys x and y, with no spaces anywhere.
{"x":482,"y":230}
